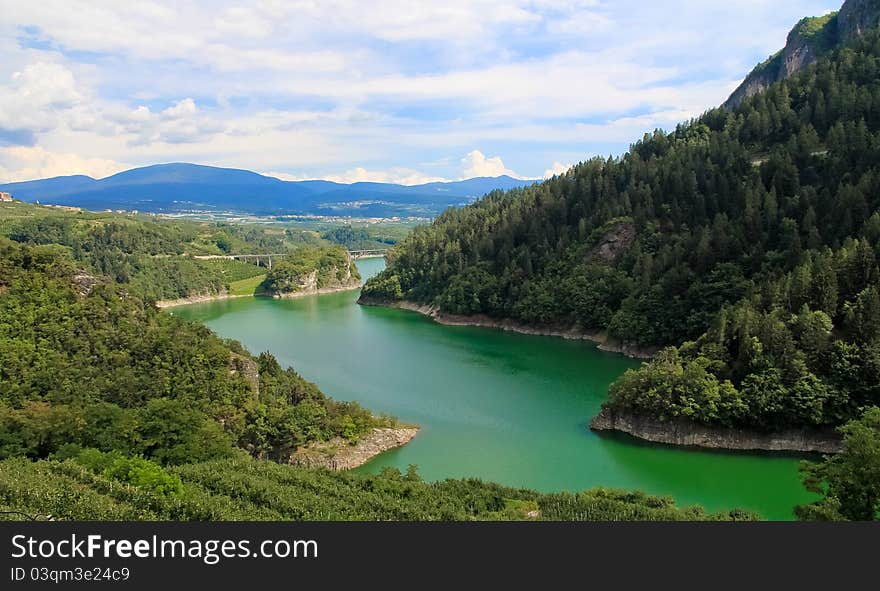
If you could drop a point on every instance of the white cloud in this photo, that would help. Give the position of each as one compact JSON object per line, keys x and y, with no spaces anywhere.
{"x":180,"y":123}
{"x":35,"y":95}
{"x":22,"y":163}
{"x":284,"y":176}
{"x":398,"y":176}
{"x":180,"y":110}
{"x":476,"y":164}
{"x":371,"y":88}
{"x":557,"y":169}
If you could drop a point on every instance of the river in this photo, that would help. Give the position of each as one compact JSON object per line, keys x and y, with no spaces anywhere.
{"x":495,"y":405}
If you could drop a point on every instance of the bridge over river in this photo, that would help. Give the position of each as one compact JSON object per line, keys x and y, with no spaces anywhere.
{"x":265,"y":259}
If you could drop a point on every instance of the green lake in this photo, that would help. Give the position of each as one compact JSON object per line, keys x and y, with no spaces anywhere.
{"x":495,"y":405}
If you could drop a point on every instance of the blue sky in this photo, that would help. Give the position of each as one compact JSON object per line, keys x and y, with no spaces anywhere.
{"x":386,"y":90}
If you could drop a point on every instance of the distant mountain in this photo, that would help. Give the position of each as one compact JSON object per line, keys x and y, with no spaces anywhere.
{"x":809,"y":40}
{"x":186,"y":187}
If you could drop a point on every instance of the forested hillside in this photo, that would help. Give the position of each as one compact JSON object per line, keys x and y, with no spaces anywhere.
{"x":750,"y":234}
{"x":90,"y":364}
{"x":111,"y":409}
{"x":154,"y":257}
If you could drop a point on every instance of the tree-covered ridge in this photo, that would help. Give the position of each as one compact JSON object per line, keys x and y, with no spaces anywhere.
{"x":93,"y":365}
{"x":799,"y":351}
{"x":97,"y":487}
{"x":364,"y":238}
{"x":312,"y":268}
{"x":154,"y":257}
{"x":770,"y":210}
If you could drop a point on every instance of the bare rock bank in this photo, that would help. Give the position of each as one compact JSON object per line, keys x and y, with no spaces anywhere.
{"x":316,"y":291}
{"x":339,"y":454}
{"x":683,"y":432}
{"x":481,"y":320}
{"x":198,"y":299}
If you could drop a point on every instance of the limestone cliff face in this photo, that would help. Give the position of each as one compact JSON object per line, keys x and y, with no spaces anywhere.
{"x":807,"y":42}
{"x":682,"y":432}
{"x":315,"y":282}
{"x":856,"y":17}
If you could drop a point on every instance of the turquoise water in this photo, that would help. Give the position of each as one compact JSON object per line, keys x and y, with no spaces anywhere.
{"x":499,"y":406}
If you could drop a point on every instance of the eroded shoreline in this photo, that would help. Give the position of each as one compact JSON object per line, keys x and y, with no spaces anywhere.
{"x":225,"y":296}
{"x":684,"y":433}
{"x":483,"y":321}
{"x":339,"y":454}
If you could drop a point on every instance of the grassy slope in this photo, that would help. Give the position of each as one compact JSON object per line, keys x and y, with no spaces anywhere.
{"x":250,"y":286}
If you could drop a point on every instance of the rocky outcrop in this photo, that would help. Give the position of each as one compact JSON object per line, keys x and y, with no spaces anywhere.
{"x":801,"y":50}
{"x":339,"y":454}
{"x":807,"y":42}
{"x":84,"y":282}
{"x":856,"y":17}
{"x":687,"y":433}
{"x":330,"y":280}
{"x":616,"y":242}
{"x":481,"y":320}
{"x":247,"y":368}
{"x":309,"y":286}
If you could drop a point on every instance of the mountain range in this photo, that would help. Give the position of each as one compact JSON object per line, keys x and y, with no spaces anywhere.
{"x":182,"y":187}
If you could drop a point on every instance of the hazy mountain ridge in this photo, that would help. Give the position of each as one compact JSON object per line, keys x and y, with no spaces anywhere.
{"x":181,"y":186}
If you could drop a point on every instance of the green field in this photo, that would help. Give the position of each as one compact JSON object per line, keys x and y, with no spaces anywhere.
{"x":250,"y":286}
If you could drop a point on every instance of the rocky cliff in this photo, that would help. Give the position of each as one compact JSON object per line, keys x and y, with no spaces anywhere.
{"x":810,"y":39}
{"x":857,"y":16}
{"x":286,"y":282}
{"x":309,"y":284}
{"x":683,"y":432}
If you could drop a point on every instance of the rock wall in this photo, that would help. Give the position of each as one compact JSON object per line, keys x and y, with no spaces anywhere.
{"x":683,"y":432}
{"x":308,"y":284}
{"x":857,"y":16}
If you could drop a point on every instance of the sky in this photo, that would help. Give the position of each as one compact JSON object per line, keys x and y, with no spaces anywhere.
{"x":381,"y":90}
